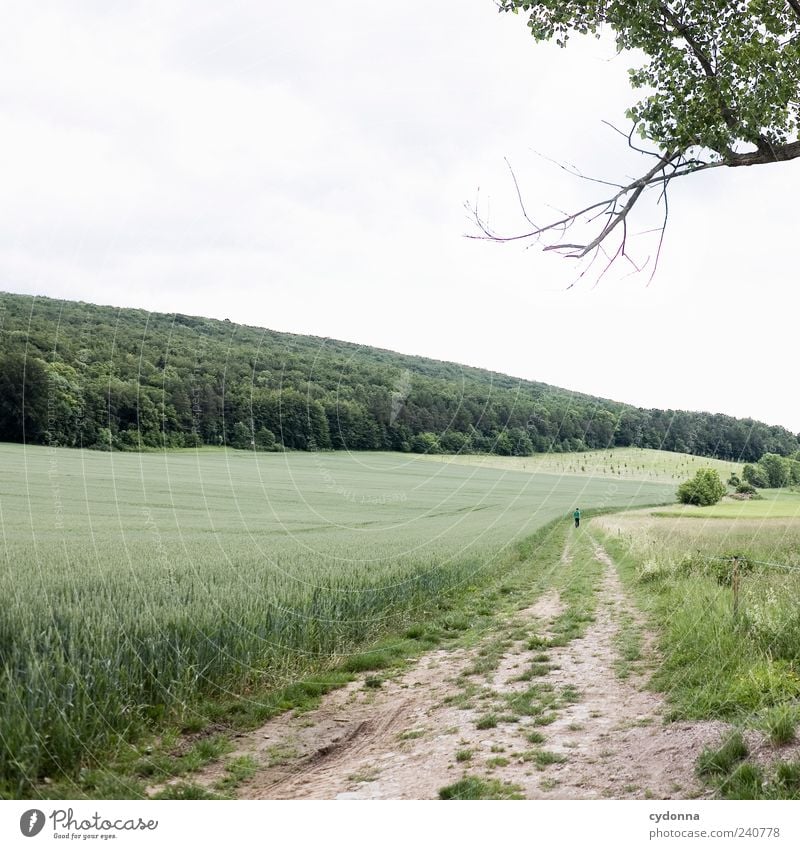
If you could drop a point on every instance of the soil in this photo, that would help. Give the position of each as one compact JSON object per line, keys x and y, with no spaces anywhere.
{"x":399,"y":741}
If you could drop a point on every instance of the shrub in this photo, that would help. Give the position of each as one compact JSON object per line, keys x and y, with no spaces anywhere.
{"x":734,"y":480}
{"x":755,"y":475}
{"x":776,"y":469}
{"x":703,"y":489}
{"x":426,"y":443}
{"x":746,"y":489}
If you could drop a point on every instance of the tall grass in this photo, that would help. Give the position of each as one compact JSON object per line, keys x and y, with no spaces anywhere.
{"x":716,"y":664}
{"x":87,"y":662}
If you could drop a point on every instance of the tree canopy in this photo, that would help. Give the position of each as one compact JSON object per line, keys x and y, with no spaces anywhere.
{"x":722,"y":88}
{"x":76,"y":374}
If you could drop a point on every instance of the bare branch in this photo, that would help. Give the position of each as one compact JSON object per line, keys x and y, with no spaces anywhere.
{"x":610,"y":214}
{"x":629,"y":138}
{"x":519,"y":193}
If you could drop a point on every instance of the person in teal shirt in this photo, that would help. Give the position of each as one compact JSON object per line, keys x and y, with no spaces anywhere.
{"x":577,"y":517}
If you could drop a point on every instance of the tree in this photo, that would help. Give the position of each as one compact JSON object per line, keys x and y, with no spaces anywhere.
{"x":755,"y":475}
{"x":723,"y":90}
{"x":426,"y":443}
{"x":23,"y":398}
{"x":703,"y":489}
{"x":776,"y":469}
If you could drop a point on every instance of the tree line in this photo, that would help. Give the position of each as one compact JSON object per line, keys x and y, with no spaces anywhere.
{"x":77,"y":374}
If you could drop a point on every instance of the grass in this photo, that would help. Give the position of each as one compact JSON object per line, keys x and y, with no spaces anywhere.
{"x":734,"y":777}
{"x":413,"y":734}
{"x":200,"y":608}
{"x":773,"y":504}
{"x":722,"y":760}
{"x":740,"y":667}
{"x":715,"y":665}
{"x":474,"y":787}
{"x":543,"y":758}
{"x":177,"y":590}
{"x":780,"y":724}
{"x":237,"y":771}
{"x":364,"y":775}
{"x":628,"y":645}
{"x":534,"y":737}
{"x":635,"y":464}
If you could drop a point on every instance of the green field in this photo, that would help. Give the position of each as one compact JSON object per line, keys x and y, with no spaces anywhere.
{"x":642,"y":464}
{"x":773,"y":504}
{"x":141,"y":583}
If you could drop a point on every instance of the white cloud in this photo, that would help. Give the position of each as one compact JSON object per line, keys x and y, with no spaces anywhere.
{"x":310,"y":162}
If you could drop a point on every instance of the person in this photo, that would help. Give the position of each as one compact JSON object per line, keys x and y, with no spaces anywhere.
{"x":577,"y":517}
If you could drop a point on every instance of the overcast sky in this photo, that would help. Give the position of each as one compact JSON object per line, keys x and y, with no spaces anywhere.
{"x":304,"y":167}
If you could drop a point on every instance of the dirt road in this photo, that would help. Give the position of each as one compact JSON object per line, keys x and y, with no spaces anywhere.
{"x":571,"y":721}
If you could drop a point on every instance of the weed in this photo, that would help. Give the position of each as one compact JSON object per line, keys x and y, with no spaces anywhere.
{"x":237,"y":771}
{"x":722,"y":760}
{"x":745,"y":782}
{"x":413,"y":734}
{"x":780,"y":723}
{"x":474,"y":787}
{"x":543,"y":758}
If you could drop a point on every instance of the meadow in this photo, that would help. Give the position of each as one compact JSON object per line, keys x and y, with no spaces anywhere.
{"x":139,"y":585}
{"x":640,"y":464}
{"x":721,"y":664}
{"x":726,"y":659}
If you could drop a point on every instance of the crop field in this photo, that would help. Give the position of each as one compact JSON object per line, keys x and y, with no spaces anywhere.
{"x":643,"y":464}
{"x":136,"y":584}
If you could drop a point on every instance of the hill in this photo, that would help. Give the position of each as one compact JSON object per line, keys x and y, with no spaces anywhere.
{"x":77,"y":374}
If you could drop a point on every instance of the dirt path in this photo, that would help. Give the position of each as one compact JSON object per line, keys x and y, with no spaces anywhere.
{"x":567,"y":725}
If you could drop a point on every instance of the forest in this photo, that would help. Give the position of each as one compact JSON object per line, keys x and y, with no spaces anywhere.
{"x":80,"y":375}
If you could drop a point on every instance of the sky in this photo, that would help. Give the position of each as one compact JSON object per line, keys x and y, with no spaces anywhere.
{"x":305,"y":167}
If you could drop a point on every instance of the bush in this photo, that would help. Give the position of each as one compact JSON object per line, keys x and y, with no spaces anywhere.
{"x":746,"y":489}
{"x":265,"y":440}
{"x":426,"y":443}
{"x":734,"y":480}
{"x":755,"y":475}
{"x":703,"y":489}
{"x":776,"y":469}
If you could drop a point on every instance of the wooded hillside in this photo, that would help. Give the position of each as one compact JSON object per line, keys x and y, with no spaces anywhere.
{"x":76,"y":374}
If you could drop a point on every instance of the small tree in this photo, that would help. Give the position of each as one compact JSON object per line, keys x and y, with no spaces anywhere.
{"x":242,"y":436}
{"x":755,"y":475}
{"x":703,"y":489}
{"x":426,"y":443}
{"x":776,"y":469}
{"x":265,"y":440}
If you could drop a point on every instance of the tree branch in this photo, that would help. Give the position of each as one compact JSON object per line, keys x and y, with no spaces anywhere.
{"x":728,"y":115}
{"x":780,"y":153}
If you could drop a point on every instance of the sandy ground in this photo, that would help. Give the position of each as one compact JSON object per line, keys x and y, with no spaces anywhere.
{"x":400,"y":741}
